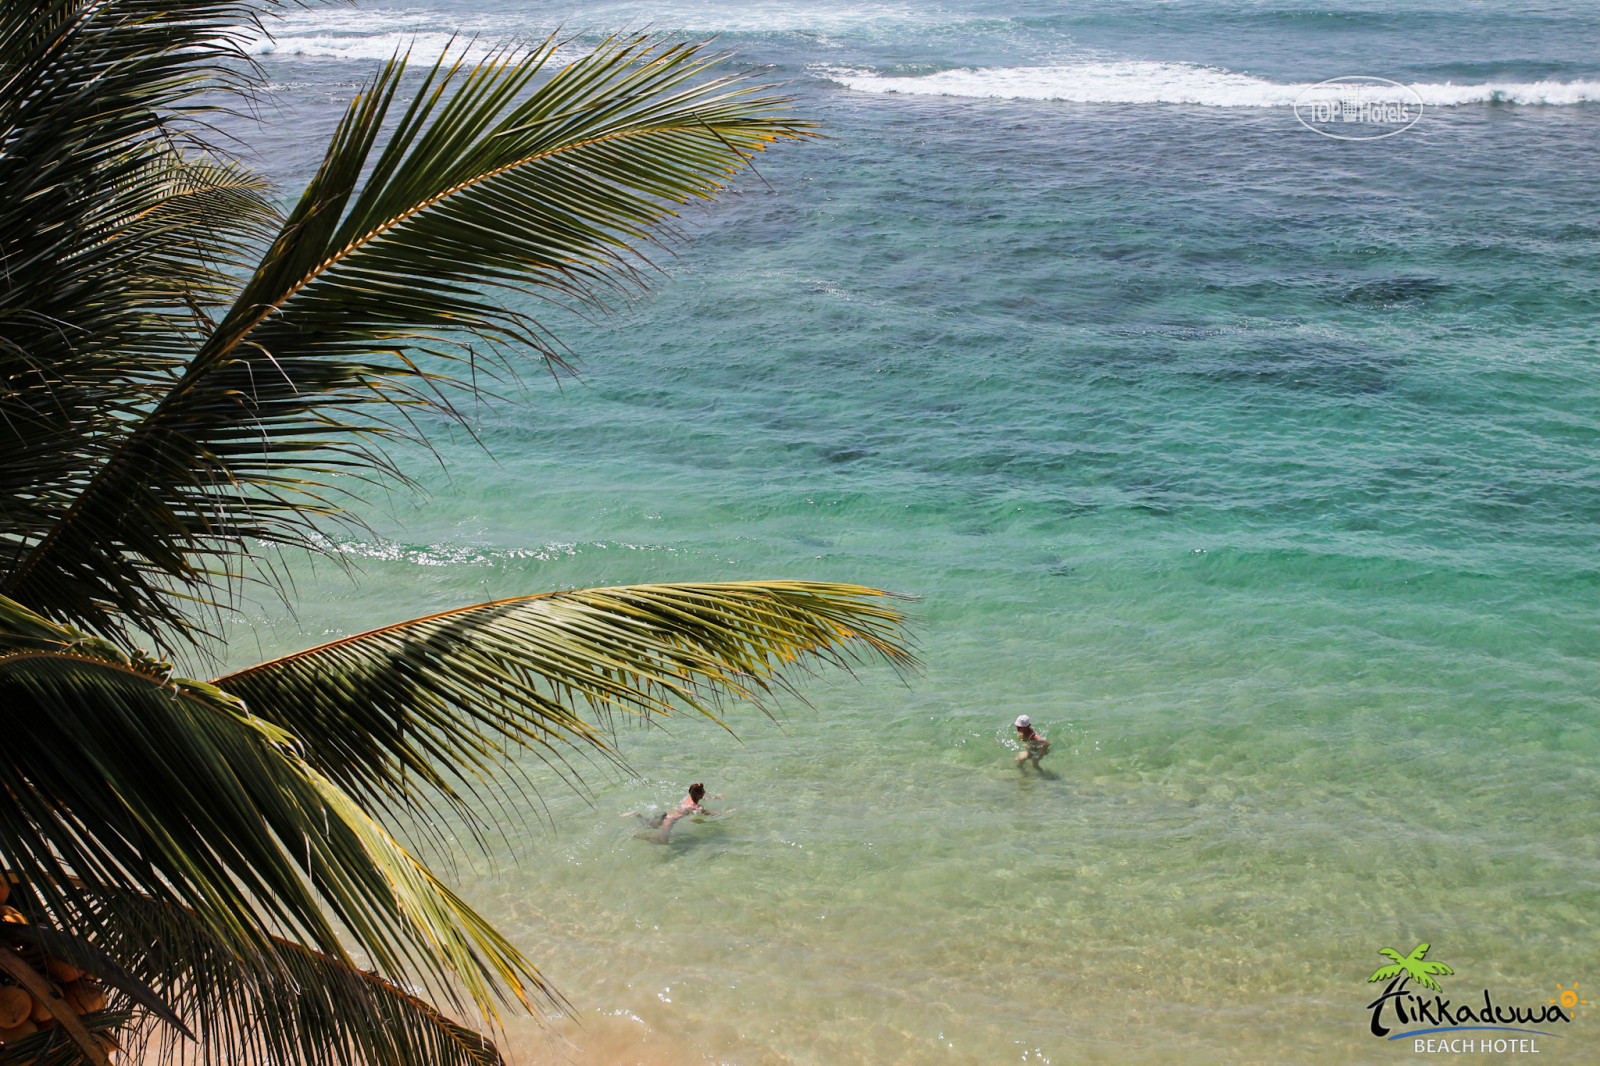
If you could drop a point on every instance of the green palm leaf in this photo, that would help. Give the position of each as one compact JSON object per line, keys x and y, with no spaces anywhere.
{"x":455,"y":692}
{"x":118,"y":775}
{"x":1413,"y":967}
{"x":99,"y":271}
{"x":256,"y":1007}
{"x":183,"y":224}
{"x":510,"y":175}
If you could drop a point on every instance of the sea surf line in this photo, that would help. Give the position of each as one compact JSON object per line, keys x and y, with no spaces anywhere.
{"x":1134,"y":82}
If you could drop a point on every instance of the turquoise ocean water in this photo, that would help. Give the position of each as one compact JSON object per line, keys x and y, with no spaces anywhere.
{"x":1259,"y":468}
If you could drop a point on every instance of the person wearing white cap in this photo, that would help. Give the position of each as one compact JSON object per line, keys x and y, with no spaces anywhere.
{"x":1035,"y":745}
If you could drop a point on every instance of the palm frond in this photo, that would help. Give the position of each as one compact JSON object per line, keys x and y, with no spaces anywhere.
{"x":47,"y":941}
{"x":119,"y":776}
{"x":182,"y":226}
{"x":1424,"y":979}
{"x":256,"y":1009}
{"x":283,"y":1004}
{"x":444,"y":700}
{"x":95,"y":314}
{"x":491,"y":178}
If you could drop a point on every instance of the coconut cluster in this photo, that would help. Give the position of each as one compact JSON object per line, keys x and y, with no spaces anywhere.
{"x":22,"y":1013}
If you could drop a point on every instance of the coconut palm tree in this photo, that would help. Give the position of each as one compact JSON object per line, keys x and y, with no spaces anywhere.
{"x":190,"y":378}
{"x":1412,"y":966}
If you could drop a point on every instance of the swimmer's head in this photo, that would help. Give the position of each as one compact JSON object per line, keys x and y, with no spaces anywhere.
{"x":696,"y":791}
{"x":1024,"y":722}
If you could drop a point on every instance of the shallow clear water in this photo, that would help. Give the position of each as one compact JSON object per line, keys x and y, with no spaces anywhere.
{"x":1259,"y":468}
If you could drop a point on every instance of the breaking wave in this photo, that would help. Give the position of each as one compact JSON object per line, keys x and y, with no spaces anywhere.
{"x":1130,"y":82}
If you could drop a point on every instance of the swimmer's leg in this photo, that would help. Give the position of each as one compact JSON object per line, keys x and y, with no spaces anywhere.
{"x":665,"y":832}
{"x":1022,"y":757}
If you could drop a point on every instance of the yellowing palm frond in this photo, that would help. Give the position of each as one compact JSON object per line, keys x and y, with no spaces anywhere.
{"x":117,"y":778}
{"x":444,"y":699}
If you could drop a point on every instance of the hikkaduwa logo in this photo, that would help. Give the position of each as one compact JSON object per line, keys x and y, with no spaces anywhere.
{"x":1431,"y":1012}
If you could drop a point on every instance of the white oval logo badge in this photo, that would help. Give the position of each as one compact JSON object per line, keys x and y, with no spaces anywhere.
{"x":1358,"y":108}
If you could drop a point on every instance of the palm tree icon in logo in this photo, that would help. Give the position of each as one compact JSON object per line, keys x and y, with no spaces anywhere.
{"x":1412,"y":966}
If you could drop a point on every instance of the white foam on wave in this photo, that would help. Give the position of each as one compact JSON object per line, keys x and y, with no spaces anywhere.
{"x":448,"y":554}
{"x":377,"y":33}
{"x":422,"y":47}
{"x":1520,"y":92}
{"x":774,"y":16}
{"x":1131,"y":82}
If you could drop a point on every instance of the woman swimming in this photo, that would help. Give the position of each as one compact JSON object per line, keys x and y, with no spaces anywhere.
{"x":664,"y":821}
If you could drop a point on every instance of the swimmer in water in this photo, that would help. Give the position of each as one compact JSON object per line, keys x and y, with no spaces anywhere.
{"x":663,"y":822}
{"x":1035,"y":746}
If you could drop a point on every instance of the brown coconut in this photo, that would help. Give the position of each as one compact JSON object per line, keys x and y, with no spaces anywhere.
{"x":12,"y":915}
{"x":17,"y":1032}
{"x":62,"y":973}
{"x":41,"y":1013}
{"x":85,"y":997}
{"x":15,"y":1006}
{"x":5,"y":888}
